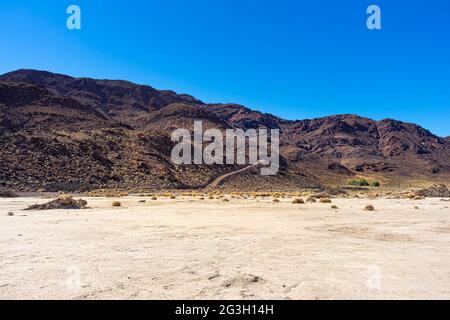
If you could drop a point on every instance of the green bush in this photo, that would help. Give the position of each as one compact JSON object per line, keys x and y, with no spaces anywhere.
{"x":359,"y":183}
{"x":375,"y":184}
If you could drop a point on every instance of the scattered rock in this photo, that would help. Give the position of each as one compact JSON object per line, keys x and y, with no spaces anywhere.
{"x":242,"y":281}
{"x":62,"y":202}
{"x":434,"y":191}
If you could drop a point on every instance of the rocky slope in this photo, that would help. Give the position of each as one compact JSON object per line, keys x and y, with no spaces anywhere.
{"x":59,"y":132}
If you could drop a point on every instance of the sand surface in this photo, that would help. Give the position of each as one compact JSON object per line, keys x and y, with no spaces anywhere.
{"x":191,"y":249}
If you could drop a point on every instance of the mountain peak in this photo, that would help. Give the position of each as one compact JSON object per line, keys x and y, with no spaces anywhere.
{"x":120,"y":133}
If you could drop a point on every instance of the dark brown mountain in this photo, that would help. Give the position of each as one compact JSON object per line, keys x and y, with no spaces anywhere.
{"x":62,"y":132}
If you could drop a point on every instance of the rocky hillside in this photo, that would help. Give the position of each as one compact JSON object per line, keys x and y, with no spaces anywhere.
{"x":59,"y":132}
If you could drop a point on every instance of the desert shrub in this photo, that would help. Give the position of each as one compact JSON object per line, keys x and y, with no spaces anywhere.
{"x":298,"y":200}
{"x":375,"y":183}
{"x":10,"y":214}
{"x":201,"y":198}
{"x":359,"y":182}
{"x":116,"y":204}
{"x":369,"y":208}
{"x":324,"y":200}
{"x":321,"y":195}
{"x":154,"y":198}
{"x":334,"y":206}
{"x":311,"y":199}
{"x":211,"y":197}
{"x":109,"y":193}
{"x":142,"y":201}
{"x":276,"y":200}
{"x":226,"y":200}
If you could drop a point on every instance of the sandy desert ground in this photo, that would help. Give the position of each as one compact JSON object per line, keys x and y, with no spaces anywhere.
{"x":187,"y":248}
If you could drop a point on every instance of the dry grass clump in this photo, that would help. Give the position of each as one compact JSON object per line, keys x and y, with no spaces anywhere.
{"x":276,"y":200}
{"x":116,"y":204}
{"x":64,"y":201}
{"x":201,"y":198}
{"x":168,"y":195}
{"x":108,"y":193}
{"x":298,"y":201}
{"x":334,"y":206}
{"x":311,"y":199}
{"x":324,"y":200}
{"x":211,"y":197}
{"x":276,"y":194}
{"x":321,"y":195}
{"x":154,"y":198}
{"x":369,"y":208}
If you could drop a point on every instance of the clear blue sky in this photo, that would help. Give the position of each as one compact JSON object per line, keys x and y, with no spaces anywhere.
{"x":296,"y":59}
